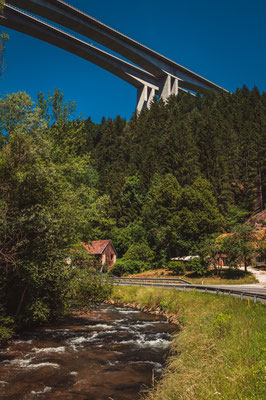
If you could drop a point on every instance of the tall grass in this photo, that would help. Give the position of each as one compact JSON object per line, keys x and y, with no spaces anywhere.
{"x":218,"y":354}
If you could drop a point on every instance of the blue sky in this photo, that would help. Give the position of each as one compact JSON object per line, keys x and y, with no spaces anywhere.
{"x":223,"y":41}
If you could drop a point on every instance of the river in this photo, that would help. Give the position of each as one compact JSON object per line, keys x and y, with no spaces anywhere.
{"x":111,"y":353}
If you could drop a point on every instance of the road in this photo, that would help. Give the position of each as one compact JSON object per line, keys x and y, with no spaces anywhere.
{"x":253,"y":288}
{"x":255,"y":292}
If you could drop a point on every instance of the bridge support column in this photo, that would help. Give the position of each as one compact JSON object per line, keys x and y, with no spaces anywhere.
{"x":142,"y":98}
{"x":174,"y":86}
{"x":145,"y":95}
{"x":168,"y":86}
{"x":151,"y":94}
{"x":165,"y":87}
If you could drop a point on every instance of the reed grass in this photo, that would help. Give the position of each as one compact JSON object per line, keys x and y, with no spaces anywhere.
{"x":219,"y":352}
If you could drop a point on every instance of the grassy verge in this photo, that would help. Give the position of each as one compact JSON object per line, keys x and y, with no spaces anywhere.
{"x":219,"y":352}
{"x":228,"y":277}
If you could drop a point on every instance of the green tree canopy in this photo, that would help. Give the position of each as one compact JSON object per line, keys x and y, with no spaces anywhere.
{"x":47,"y":206}
{"x":240,"y":246}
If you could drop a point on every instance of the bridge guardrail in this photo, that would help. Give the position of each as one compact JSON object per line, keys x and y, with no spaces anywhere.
{"x":200,"y":288}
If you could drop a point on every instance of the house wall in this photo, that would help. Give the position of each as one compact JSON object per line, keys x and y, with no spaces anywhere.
{"x":220,"y":260}
{"x":258,"y":261}
{"x":108,"y":256}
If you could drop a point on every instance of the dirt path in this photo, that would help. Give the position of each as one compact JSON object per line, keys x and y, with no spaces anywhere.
{"x":260,"y":275}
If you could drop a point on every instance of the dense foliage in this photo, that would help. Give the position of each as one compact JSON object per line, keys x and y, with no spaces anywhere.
{"x":48,"y":203}
{"x":125,"y":267}
{"x":160,"y":186}
{"x":183,"y":171}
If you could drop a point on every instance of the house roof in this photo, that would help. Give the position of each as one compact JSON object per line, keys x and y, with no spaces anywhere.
{"x":223,"y":235}
{"x":257,"y":235}
{"x":97,"y":246}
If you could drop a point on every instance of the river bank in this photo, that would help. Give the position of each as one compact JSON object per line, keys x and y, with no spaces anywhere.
{"x":219,"y":352}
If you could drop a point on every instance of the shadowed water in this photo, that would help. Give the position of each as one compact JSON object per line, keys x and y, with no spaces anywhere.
{"x":110,"y":354}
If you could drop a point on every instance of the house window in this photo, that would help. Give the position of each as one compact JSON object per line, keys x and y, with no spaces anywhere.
{"x":112,"y":256}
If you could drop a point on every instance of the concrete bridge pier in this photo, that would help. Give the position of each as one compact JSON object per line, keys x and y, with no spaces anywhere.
{"x":174,"y":86}
{"x":168,"y":86}
{"x":151,"y":94}
{"x":142,"y":98}
{"x":165,"y":87}
{"x":145,"y":95}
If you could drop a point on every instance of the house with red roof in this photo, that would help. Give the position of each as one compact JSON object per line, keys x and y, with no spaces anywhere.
{"x":104,"y":252}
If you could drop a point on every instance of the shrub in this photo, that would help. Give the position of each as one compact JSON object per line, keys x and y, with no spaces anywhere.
{"x":105,"y":268}
{"x":38,"y":311}
{"x":6,"y":329}
{"x":177,"y":267}
{"x":197,"y":266}
{"x":89,"y":287}
{"x":127,"y":267}
{"x":139,"y":251}
{"x":222,"y":324}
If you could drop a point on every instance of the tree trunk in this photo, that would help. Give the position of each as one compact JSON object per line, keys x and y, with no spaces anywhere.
{"x":21,"y":300}
{"x":246,"y":265}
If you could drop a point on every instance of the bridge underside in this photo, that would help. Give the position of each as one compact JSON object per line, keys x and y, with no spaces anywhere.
{"x":156,"y":75}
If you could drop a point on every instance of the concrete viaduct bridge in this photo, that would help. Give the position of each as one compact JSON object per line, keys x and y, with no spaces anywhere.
{"x":152,"y":74}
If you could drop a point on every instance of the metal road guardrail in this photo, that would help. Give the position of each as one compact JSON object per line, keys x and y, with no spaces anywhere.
{"x":257,"y":295}
{"x":165,"y":280}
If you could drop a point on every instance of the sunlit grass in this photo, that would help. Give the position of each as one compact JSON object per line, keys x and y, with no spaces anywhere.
{"x":218,"y":354}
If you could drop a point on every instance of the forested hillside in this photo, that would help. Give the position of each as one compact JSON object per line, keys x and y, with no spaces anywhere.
{"x":161,"y":185}
{"x":175,"y":174}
